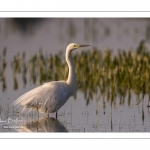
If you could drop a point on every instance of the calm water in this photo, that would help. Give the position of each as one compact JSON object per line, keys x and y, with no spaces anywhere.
{"x":75,"y":116}
{"x":99,"y":115}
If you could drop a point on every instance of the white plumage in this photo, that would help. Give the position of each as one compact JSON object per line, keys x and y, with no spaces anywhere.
{"x":43,"y":99}
{"x":49,"y":97}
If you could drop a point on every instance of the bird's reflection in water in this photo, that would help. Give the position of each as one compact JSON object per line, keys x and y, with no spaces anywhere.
{"x":43,"y":125}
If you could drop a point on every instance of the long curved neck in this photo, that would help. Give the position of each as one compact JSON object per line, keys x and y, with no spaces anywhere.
{"x":71,"y":81}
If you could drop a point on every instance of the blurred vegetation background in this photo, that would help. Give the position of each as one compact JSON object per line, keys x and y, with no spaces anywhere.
{"x":102,"y":71}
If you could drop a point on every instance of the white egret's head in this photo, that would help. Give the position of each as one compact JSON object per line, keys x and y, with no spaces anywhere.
{"x":74,"y":46}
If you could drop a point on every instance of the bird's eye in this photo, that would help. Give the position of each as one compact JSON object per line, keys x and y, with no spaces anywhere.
{"x":74,"y":45}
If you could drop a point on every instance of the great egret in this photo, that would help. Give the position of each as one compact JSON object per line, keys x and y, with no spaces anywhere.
{"x":49,"y":97}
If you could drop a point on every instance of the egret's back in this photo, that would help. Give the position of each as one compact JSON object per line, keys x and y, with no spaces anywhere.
{"x":47,"y":98}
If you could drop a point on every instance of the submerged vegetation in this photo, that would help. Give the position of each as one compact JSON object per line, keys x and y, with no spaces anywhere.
{"x":99,"y":72}
{"x":3,"y":65}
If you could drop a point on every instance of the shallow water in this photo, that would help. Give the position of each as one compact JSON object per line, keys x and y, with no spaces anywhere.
{"x":75,"y":116}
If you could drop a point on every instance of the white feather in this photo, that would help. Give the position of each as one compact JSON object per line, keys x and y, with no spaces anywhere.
{"x":43,"y":97}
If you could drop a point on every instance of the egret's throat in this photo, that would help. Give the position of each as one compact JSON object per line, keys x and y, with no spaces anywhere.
{"x":71,"y":81}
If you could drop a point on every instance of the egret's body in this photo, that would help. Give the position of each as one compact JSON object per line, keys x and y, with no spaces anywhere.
{"x":49,"y":97}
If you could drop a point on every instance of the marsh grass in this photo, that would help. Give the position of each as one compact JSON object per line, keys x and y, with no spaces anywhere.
{"x":3,"y":69}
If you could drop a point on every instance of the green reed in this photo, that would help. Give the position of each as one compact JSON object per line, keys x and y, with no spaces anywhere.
{"x":3,"y":65}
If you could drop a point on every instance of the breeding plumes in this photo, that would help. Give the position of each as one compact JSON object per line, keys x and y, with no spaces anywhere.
{"x":51,"y":96}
